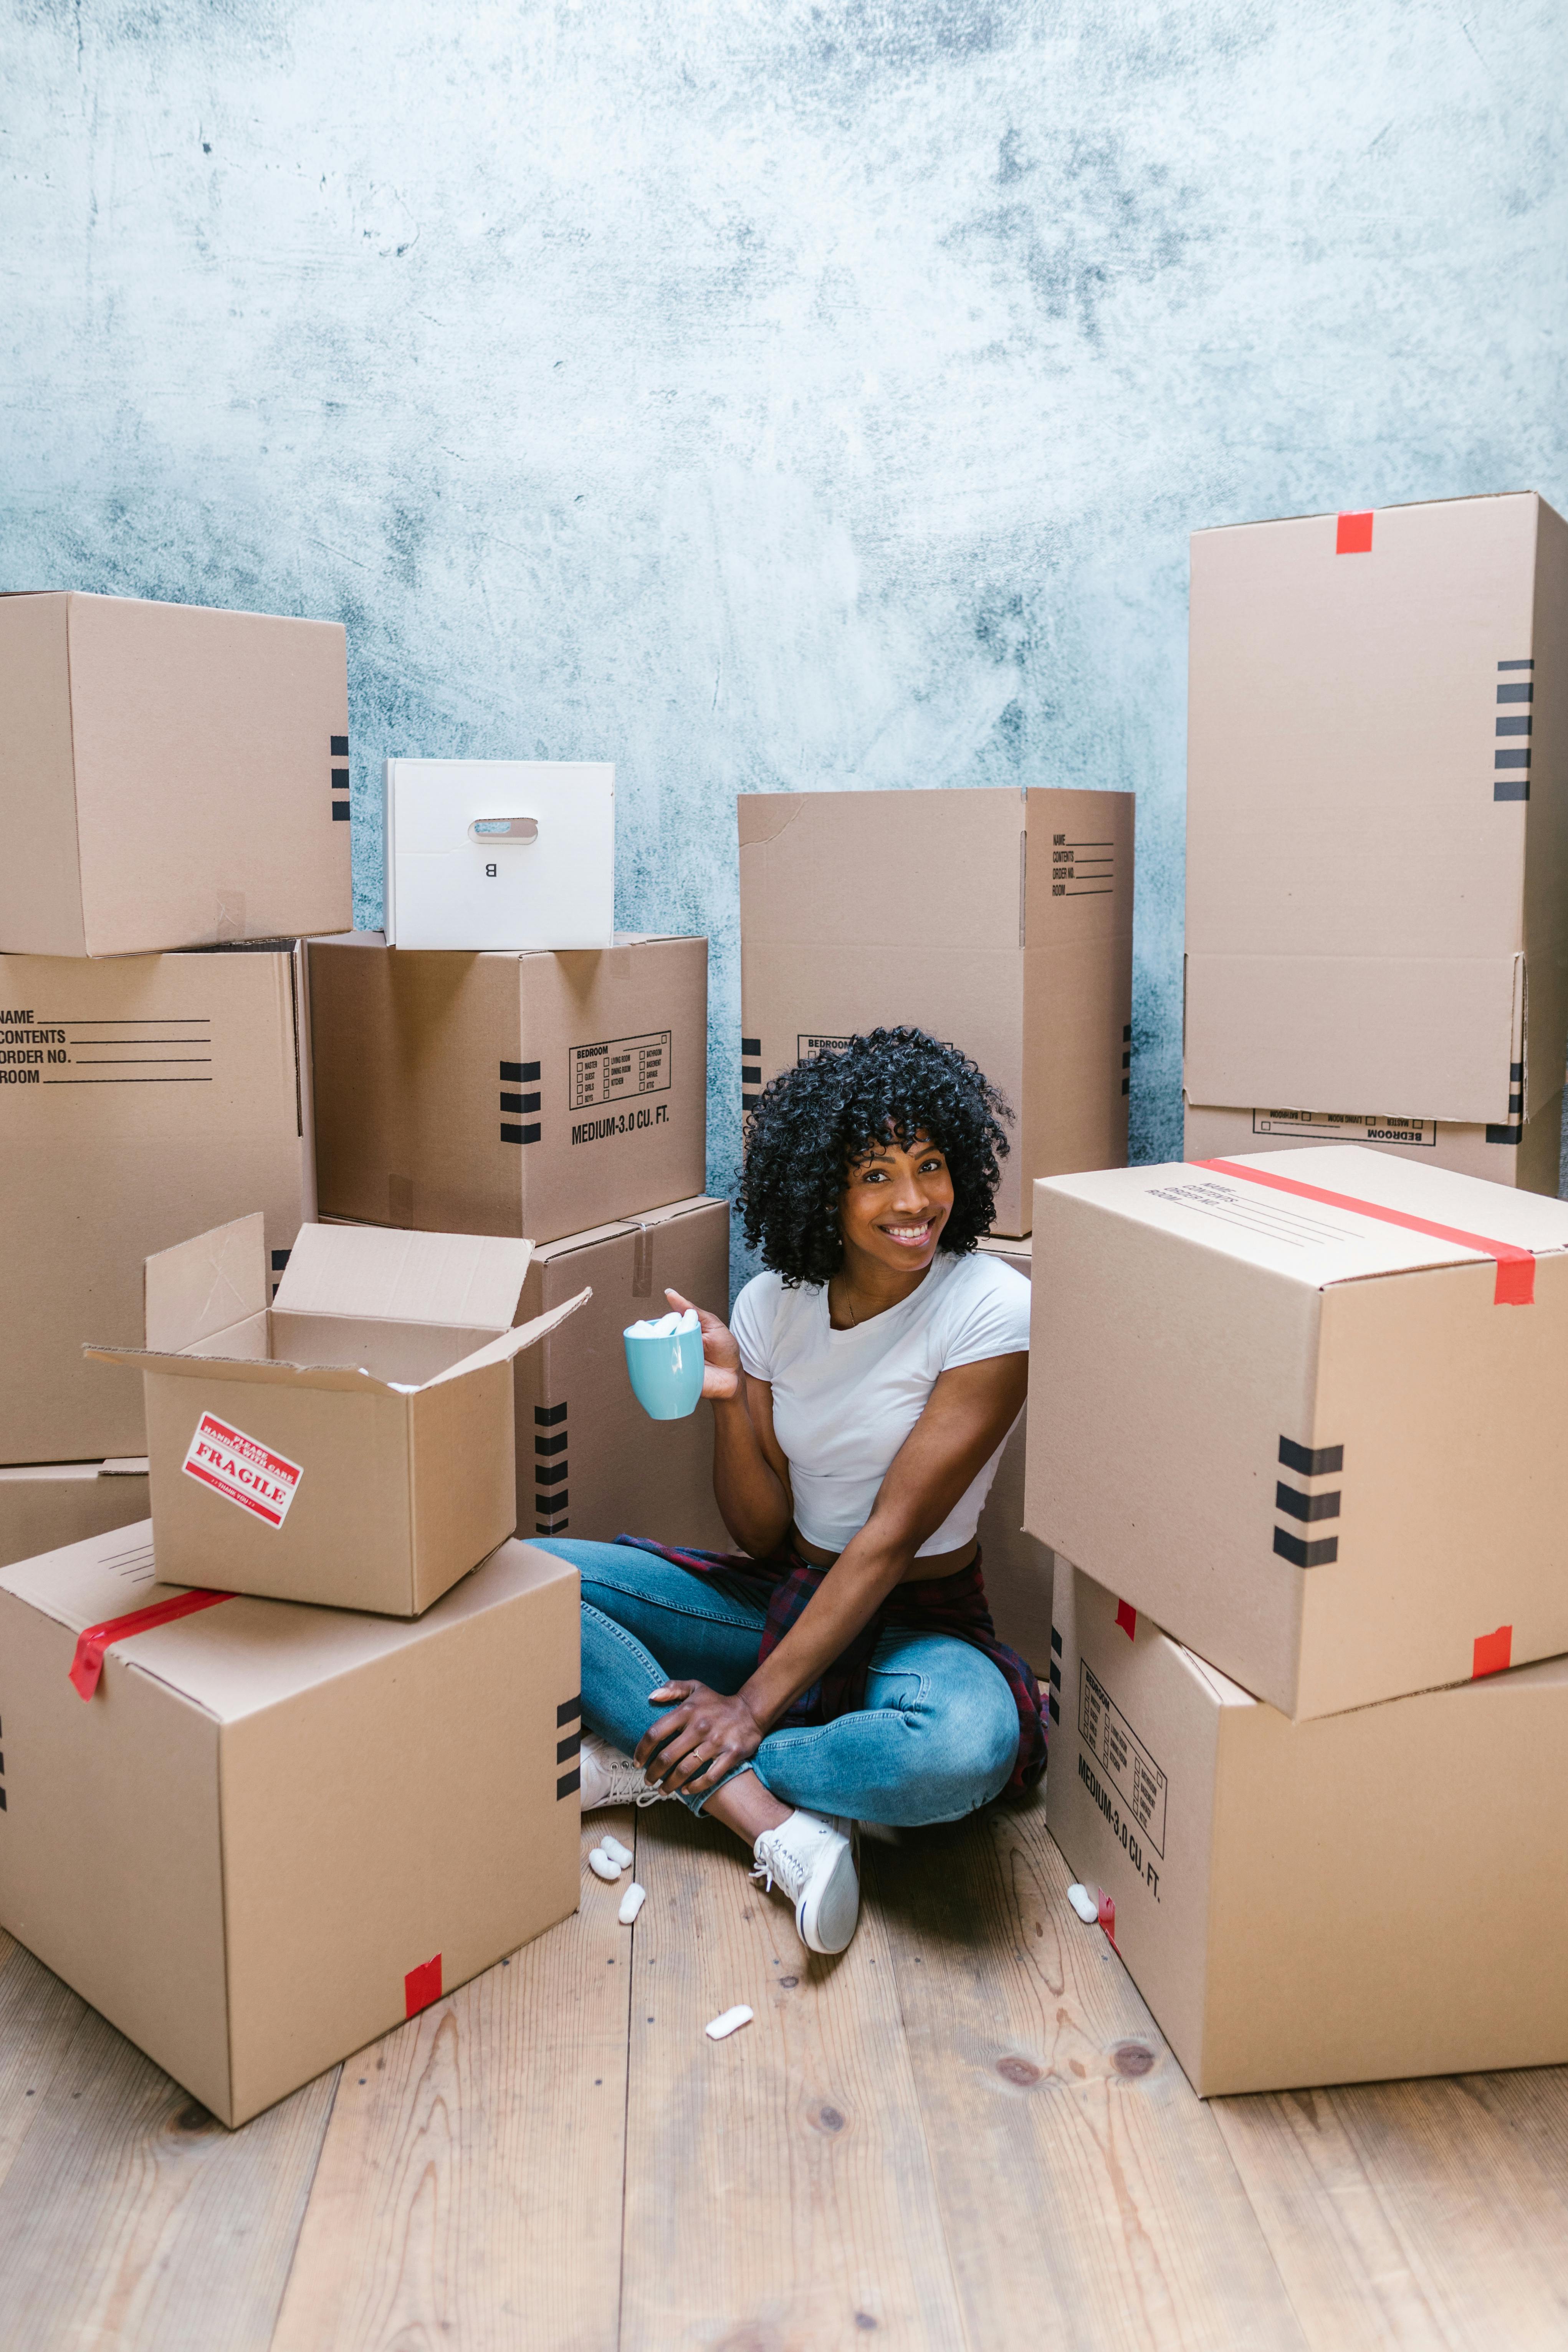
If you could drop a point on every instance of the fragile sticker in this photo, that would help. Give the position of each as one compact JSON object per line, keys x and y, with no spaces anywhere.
{"x":242,"y":1470}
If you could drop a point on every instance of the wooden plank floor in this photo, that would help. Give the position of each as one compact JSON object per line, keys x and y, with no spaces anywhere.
{"x":966,"y":2135}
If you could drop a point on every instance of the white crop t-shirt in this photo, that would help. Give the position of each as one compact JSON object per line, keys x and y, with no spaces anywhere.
{"x":843,"y":1402}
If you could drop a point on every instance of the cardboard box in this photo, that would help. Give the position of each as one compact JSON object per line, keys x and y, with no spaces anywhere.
{"x":1018,"y":1569}
{"x":514,"y":854}
{"x":998,"y":924}
{"x":1309,"y":1442}
{"x":48,"y":1505}
{"x":141,"y":1101}
{"x":1369,"y":1897}
{"x":590,"y":1462}
{"x":1526,"y":1154}
{"x":352,"y":1446}
{"x":509,"y":1094}
{"x":270,"y":1833}
{"x":1377,"y":812}
{"x":170,"y":776}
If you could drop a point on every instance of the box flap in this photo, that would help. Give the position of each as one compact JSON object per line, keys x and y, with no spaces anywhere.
{"x":474,"y":1279}
{"x":511,"y":1343}
{"x":207,"y":1285}
{"x":1318,"y":1242}
{"x":546,"y":1253}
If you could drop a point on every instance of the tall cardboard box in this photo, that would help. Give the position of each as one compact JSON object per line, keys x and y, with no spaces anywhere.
{"x":1377,"y":813}
{"x":531,"y":1094}
{"x":1018,"y":1569}
{"x":1306,"y":1409}
{"x":352,"y":1446}
{"x":1000,"y":924}
{"x":142,"y":1100}
{"x":256,"y":1836}
{"x":44,"y":1505}
{"x":170,"y":776}
{"x":1526,"y":1153}
{"x":590,"y":1462}
{"x":1371,"y":1896}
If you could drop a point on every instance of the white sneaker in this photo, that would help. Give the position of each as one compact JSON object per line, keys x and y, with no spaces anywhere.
{"x":813,"y":1860}
{"x":608,"y":1777}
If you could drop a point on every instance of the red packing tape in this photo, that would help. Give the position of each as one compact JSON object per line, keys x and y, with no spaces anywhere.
{"x":88,"y":1663}
{"x":1515,"y":1266}
{"x":1353,"y":534}
{"x":421,"y":1986}
{"x":1493,"y":1652}
{"x":1127,"y":1619}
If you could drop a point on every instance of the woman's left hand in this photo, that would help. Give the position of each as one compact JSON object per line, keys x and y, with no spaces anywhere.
{"x":692,"y":1747}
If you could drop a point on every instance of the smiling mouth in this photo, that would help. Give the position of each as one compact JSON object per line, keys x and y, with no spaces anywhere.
{"x":910,"y":1236}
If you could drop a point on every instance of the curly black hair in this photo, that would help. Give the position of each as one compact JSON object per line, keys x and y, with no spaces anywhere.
{"x":813,"y":1122}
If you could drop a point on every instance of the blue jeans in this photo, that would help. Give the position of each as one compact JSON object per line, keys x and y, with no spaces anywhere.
{"x":937,"y":1737}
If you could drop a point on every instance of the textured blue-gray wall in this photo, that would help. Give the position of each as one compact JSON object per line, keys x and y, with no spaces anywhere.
{"x":764,"y":394}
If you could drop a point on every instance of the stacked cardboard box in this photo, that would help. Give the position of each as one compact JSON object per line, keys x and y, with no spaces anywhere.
{"x":1377,"y":836}
{"x":1001,"y":924}
{"x":327,"y":1415}
{"x":561,"y":1096}
{"x":1295,"y":1440}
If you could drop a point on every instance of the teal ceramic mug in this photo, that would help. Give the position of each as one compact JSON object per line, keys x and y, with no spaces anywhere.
{"x":663,"y":1359}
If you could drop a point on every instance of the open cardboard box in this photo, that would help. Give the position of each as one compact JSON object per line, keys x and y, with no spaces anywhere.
{"x":258,"y":1836}
{"x":1306,"y":1409}
{"x":351,"y":1444}
{"x":1371,"y":1896}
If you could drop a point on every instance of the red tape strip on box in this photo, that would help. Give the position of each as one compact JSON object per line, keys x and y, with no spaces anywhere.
{"x":1515,"y":1268}
{"x":1107,"y":1914}
{"x":87,"y":1666}
{"x":1352,"y":535}
{"x":421,"y":1986}
{"x":1127,"y":1619}
{"x":1493,"y":1652}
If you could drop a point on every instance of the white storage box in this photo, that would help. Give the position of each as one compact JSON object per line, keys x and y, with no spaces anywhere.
{"x":500,"y":853}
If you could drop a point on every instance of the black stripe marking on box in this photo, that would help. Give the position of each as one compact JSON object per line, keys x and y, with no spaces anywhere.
{"x":548,"y":1474}
{"x":752,"y":1047}
{"x":518,"y":1134}
{"x":567,"y":1709}
{"x":340,"y":746}
{"x":1127,"y":1034}
{"x":1056,"y":1644}
{"x":340,"y":780}
{"x":1510,"y":759}
{"x":520,"y":1073}
{"x":751,"y":1074}
{"x":1516,"y":665}
{"x":1054,"y":1710}
{"x":1516,"y":693}
{"x":340,"y":813}
{"x":1321,"y":1554}
{"x":279,"y":1260}
{"x":547,"y":1415}
{"x":1306,"y":1507}
{"x":1516,"y":727}
{"x":551,"y":1526}
{"x":1309,"y":1462}
{"x":1056,"y":1674}
{"x":1504,"y":1134}
{"x":552,"y":1507}
{"x":1511,"y":788}
{"x":1515,"y":1074}
{"x":548,"y":1445}
{"x":568,"y":1784}
{"x":519,"y":1103}
{"x":568,"y":1747}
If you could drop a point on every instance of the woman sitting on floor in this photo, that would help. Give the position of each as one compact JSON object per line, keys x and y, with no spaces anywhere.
{"x":842,"y":1665}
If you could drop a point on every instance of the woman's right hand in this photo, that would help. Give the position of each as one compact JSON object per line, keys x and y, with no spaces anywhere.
{"x":720,"y":1354}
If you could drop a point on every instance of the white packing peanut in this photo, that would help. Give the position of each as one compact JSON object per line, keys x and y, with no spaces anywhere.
{"x":732,"y":2021}
{"x":615,"y":1850}
{"x":603,"y":1866}
{"x":1084,"y":1903}
{"x":632,"y":1902}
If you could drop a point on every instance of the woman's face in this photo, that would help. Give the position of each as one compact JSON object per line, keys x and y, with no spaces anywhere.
{"x":896,"y":1202}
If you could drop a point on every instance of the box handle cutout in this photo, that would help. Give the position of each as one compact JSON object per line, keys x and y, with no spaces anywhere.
{"x":487,"y":829}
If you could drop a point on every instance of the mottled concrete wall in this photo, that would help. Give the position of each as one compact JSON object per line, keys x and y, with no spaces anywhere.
{"x":765,"y":394}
